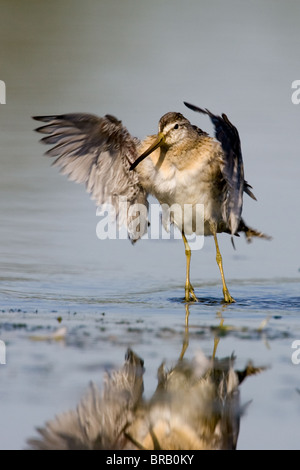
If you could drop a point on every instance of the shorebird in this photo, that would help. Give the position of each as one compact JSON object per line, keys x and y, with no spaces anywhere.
{"x":196,"y":406}
{"x":181,"y":166}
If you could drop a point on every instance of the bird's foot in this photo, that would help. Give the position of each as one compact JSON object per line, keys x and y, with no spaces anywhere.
{"x":190,"y":295}
{"x":227,"y":297}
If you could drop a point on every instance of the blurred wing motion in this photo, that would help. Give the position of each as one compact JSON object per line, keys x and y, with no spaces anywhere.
{"x":98,"y":152}
{"x":100,"y":419}
{"x":232,"y":167}
{"x":196,"y":406}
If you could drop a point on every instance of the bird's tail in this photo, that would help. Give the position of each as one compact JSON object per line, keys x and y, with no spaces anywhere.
{"x":251,"y":232}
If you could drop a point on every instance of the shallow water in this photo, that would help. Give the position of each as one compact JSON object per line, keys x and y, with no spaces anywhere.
{"x":109,"y":295}
{"x":43,"y":377}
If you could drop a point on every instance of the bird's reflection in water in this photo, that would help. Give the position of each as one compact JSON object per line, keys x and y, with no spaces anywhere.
{"x":196,"y":406}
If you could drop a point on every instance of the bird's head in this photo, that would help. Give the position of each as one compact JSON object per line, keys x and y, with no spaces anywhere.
{"x":172,"y":129}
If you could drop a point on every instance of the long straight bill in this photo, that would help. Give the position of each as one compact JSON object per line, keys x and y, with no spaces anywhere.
{"x":159,"y":141}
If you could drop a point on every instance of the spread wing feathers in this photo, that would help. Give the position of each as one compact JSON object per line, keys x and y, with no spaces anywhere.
{"x":248,"y":191}
{"x":232,"y":167}
{"x":98,"y":152}
{"x":101,"y":418}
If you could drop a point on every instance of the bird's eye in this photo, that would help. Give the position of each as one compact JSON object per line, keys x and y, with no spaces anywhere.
{"x":176,"y":126}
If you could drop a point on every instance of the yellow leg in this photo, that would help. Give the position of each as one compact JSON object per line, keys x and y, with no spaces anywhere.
{"x":186,"y":333}
{"x":189,"y":290}
{"x":227,"y":296}
{"x":216,"y":341}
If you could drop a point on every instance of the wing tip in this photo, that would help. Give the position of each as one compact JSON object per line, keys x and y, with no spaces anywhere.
{"x":44,"y":118}
{"x":195,"y":108}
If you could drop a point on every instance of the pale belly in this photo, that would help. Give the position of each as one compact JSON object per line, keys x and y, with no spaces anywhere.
{"x":193,"y":210}
{"x":188,"y":199}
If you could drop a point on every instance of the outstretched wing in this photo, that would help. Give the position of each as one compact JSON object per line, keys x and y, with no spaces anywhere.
{"x":232,"y":168}
{"x":101,"y":419}
{"x":98,"y":152}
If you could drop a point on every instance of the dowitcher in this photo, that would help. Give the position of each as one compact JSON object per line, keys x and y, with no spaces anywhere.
{"x":181,"y":166}
{"x":196,"y":406}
